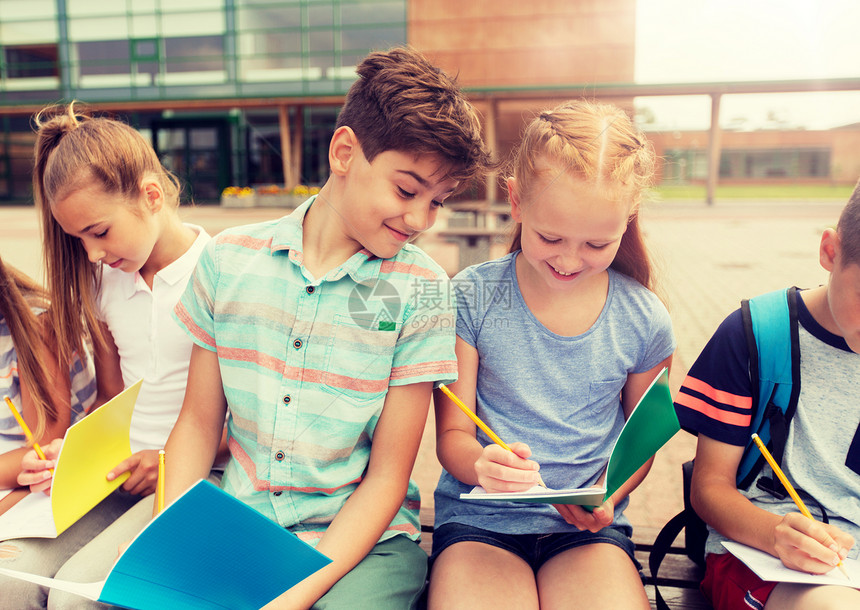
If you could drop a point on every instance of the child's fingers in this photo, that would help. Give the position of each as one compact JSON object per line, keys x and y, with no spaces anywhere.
{"x":500,"y":470}
{"x":144,"y":473}
{"x":32,"y":463}
{"x":52,"y":449}
{"x":36,"y":480}
{"x":579,"y":517}
{"x":126,"y":465}
{"x":604,"y":514}
{"x":140,"y":483}
{"x":520,"y":449}
{"x":806,"y":545}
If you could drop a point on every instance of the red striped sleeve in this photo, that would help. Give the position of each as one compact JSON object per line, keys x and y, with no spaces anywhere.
{"x":713,"y":412}
{"x":720,"y":396}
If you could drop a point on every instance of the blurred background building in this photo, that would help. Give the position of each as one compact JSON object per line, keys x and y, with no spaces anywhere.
{"x":246,"y":92}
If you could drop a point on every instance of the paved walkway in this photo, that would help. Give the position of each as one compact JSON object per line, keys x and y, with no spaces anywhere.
{"x":708,"y":258}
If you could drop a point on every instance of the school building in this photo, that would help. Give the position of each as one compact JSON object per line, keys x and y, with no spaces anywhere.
{"x":246,"y":92}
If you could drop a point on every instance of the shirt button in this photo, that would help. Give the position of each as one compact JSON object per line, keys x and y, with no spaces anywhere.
{"x":277,"y":493}
{"x":279,"y":456}
{"x":297,"y":343}
{"x":310,"y":289}
{"x":287,"y":399}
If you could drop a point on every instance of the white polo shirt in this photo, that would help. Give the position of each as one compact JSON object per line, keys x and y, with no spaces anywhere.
{"x":151,"y":344}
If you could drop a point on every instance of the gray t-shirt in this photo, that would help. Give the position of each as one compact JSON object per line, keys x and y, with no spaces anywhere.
{"x":558,"y":394}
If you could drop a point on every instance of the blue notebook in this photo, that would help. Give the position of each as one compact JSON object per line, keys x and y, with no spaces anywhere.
{"x":206,"y":550}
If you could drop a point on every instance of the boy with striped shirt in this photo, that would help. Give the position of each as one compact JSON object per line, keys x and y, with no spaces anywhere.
{"x":822,"y":449}
{"x":316,"y":333}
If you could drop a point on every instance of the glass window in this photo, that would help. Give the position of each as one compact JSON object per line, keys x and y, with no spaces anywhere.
{"x":171,"y":139}
{"x":198,"y":53}
{"x":264,"y":43}
{"x":102,"y":57}
{"x":173,"y":6}
{"x":269,"y":18}
{"x":203,"y":137}
{"x":321,"y":41}
{"x":102,"y":51}
{"x":373,"y":12}
{"x":320,"y":16}
{"x":31,"y":61}
{"x":241,"y":3}
{"x":145,"y":25}
{"x":372,"y":37}
{"x":28,"y":32}
{"x":98,"y":28}
{"x":187,"y":24}
{"x":145,"y":49}
{"x":143,"y":6}
{"x":88,"y":8}
{"x":28,"y":9}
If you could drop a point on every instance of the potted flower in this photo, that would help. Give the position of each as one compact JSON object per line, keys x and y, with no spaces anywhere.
{"x":238,"y":197}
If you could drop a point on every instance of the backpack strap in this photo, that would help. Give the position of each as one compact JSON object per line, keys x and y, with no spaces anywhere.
{"x":695,"y":535}
{"x":770,"y":325}
{"x":662,"y":544}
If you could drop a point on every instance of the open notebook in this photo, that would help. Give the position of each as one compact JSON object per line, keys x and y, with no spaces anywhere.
{"x":206,"y":550}
{"x":650,"y":426}
{"x":91,"y":448}
{"x":767,"y":567}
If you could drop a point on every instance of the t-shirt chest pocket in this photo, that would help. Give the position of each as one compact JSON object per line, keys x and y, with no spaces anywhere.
{"x":359,"y":357}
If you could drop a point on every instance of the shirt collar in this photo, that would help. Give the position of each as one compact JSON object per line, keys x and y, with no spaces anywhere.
{"x":175,"y":272}
{"x":287,"y":237}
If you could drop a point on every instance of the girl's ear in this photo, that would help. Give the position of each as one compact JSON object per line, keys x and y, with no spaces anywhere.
{"x":342,"y":150}
{"x":152,"y":193}
{"x":514,"y":198}
{"x":828,"y":251}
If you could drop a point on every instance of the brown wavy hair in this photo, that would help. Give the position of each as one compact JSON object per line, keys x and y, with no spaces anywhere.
{"x":597,"y":143}
{"x":402,"y":102}
{"x":75,"y":150}
{"x":19,"y":294}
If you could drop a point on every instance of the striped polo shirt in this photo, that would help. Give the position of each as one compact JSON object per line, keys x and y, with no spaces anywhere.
{"x":306,"y":363}
{"x":82,"y":383}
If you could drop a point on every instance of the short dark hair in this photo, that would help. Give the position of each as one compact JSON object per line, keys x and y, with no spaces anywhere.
{"x":402,"y":102}
{"x":849,"y":229}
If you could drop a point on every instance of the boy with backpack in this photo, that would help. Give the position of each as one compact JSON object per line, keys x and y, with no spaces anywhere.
{"x":738,"y":386}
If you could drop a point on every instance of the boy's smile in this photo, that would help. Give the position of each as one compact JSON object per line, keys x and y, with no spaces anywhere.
{"x":379,"y":205}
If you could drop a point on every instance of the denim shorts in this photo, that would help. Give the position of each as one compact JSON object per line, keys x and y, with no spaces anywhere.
{"x":534,"y":549}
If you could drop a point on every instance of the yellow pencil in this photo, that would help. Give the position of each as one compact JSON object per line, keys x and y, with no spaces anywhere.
{"x":481,"y":424}
{"x":27,"y":432}
{"x":159,"y":486}
{"x":788,"y":486}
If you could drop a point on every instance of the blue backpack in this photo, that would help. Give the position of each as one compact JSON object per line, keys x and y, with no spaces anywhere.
{"x":770,"y":326}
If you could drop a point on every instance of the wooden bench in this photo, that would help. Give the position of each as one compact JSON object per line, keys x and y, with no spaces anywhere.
{"x":474,"y":242}
{"x":481,"y":213}
{"x":678,"y":579}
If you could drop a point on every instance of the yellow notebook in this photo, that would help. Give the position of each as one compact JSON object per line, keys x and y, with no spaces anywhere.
{"x":91,"y":448}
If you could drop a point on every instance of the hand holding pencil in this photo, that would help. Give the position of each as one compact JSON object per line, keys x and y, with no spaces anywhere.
{"x":831,"y":543}
{"x":31,"y":475}
{"x":478,"y":422}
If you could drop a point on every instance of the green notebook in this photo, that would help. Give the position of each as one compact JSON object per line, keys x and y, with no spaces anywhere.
{"x":650,"y":426}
